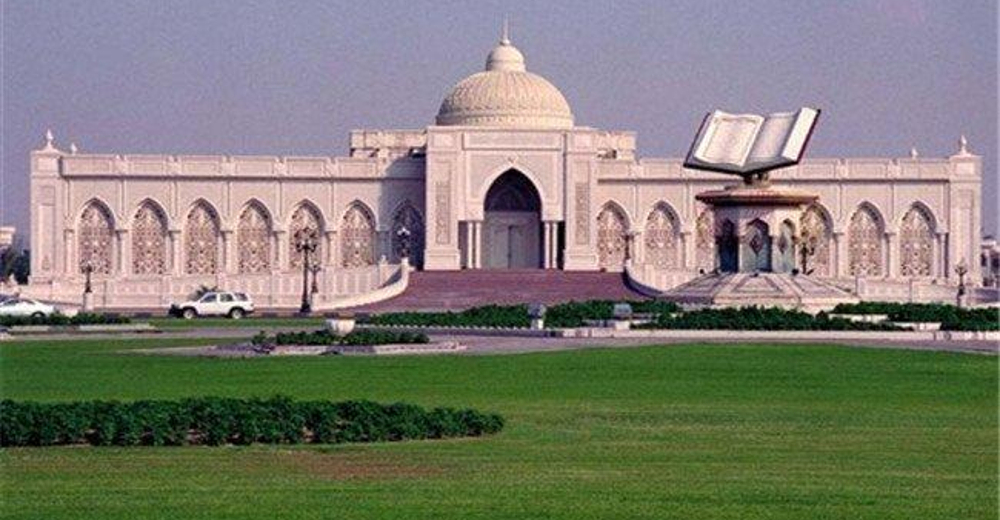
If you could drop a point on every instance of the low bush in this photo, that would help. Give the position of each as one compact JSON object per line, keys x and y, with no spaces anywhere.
{"x":509,"y":316}
{"x":951,"y":317}
{"x":62,"y":319}
{"x":760,"y":318}
{"x":215,"y":421}
{"x":563,"y":315}
{"x":325,"y":337}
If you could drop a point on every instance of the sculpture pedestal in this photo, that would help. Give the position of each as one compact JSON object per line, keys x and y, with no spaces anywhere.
{"x":757,"y":238}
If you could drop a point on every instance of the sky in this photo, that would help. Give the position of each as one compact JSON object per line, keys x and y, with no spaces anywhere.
{"x":289,"y":77}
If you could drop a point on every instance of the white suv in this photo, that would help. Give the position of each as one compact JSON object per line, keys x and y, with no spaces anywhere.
{"x":215,"y":303}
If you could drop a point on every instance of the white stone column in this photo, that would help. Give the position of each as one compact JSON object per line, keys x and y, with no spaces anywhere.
{"x":176,"y":253}
{"x":940,"y":265}
{"x":686,"y":251}
{"x":547,"y":245}
{"x":71,"y":265}
{"x":477,"y":242}
{"x":840,"y":267}
{"x":124,"y":267}
{"x":330,"y":248}
{"x":228,"y":252}
{"x":892,"y":254}
{"x":553,"y":245}
{"x":280,"y":256}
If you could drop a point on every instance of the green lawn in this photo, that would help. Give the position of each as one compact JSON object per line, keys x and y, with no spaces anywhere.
{"x":741,"y":432}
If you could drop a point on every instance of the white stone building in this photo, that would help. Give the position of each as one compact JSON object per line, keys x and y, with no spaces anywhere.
{"x":504,"y":178}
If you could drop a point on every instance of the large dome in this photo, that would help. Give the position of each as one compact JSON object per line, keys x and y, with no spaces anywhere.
{"x":505,"y":95}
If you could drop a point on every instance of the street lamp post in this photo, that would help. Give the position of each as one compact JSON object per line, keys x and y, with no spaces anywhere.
{"x":404,"y":242}
{"x":807,"y":249}
{"x":306,"y":241}
{"x":315,"y":283}
{"x":87,"y":267}
{"x":961,"y":270}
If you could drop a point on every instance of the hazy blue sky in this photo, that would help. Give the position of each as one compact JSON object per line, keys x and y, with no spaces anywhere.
{"x":292,"y":77}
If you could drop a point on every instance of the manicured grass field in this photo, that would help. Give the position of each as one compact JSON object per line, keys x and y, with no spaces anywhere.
{"x":741,"y":432}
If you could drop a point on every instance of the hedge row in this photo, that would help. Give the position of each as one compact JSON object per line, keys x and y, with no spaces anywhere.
{"x":325,"y":337}
{"x":216,"y":421}
{"x":563,"y":315}
{"x":951,"y":317}
{"x":61,"y":319}
{"x":761,"y":318}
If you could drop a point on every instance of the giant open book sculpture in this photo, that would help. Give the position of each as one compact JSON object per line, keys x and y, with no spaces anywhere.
{"x":750,"y":145}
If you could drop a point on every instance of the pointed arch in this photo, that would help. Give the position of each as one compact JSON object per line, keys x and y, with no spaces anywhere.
{"x":916,"y":241}
{"x":408,"y":234}
{"x":661,"y":237}
{"x":786,"y":247}
{"x":149,"y":239}
{"x":306,"y":217}
{"x":815,"y":235}
{"x":357,"y":236}
{"x":705,"y":241}
{"x":612,"y":237}
{"x":95,"y":238}
{"x":253,"y":239}
{"x":866,"y":230}
{"x":757,"y":250}
{"x":727,"y":243}
{"x":201,"y":239}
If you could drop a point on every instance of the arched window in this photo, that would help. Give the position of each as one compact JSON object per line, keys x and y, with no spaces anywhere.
{"x":864,"y":243}
{"x":253,"y":240}
{"x":408,"y":235}
{"x":728,"y":246}
{"x":758,"y":247}
{"x":786,"y":248}
{"x":816,"y":231}
{"x":357,"y":237}
{"x":611,"y":238}
{"x":201,"y":240}
{"x":705,"y":241}
{"x":149,"y":240}
{"x":661,"y":238}
{"x":916,"y":243}
{"x":305,"y":217}
{"x":96,"y":239}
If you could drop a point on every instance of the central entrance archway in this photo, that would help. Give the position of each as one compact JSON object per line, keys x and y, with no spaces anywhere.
{"x":512,"y":224}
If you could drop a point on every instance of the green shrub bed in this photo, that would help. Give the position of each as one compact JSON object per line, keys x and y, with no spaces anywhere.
{"x":216,"y":421}
{"x":563,"y":315}
{"x":61,"y":319}
{"x":951,"y":317}
{"x":760,"y":318}
{"x":325,"y":337}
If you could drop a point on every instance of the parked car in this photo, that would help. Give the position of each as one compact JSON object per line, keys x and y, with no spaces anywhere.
{"x":215,"y":303}
{"x":25,"y":307}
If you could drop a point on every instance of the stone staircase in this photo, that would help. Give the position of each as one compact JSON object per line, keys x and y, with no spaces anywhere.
{"x":457,"y":290}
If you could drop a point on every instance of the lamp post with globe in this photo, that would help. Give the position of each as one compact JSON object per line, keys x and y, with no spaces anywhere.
{"x":961,"y":270}
{"x":306,"y":242}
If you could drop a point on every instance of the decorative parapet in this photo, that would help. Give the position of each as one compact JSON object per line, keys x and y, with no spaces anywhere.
{"x":388,"y":143}
{"x":251,"y":166}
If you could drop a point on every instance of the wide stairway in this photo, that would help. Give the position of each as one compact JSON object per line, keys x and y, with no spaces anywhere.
{"x":457,"y":290}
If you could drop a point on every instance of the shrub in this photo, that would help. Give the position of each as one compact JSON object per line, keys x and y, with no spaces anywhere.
{"x":215,"y":421}
{"x":951,"y":317}
{"x":325,"y":337}
{"x":761,"y":318}
{"x":563,"y":315}
{"x":62,"y":319}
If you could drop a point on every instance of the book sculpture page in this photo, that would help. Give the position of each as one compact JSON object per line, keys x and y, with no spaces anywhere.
{"x":745,"y":144}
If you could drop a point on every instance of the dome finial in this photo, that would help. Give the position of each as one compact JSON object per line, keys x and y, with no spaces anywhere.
{"x":505,"y":32}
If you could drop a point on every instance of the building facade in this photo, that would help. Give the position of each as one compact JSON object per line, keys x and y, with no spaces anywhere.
{"x":504,"y":179}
